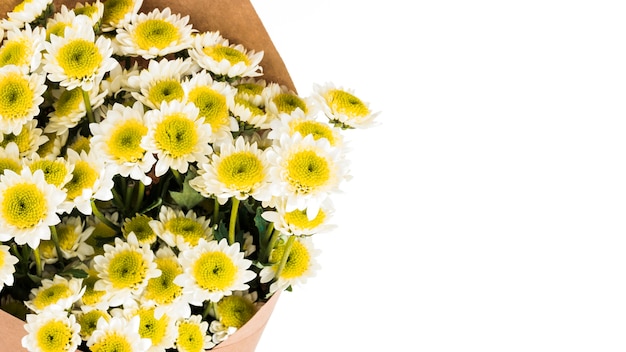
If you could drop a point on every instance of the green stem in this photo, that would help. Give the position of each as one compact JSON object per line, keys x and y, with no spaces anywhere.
{"x":90,"y":116}
{"x":216,"y":211}
{"x":141,"y":189}
{"x":55,"y":239}
{"x":233,"y":220}
{"x":178,"y":177}
{"x":283,"y":260}
{"x":102,"y":218}
{"x":38,"y":266}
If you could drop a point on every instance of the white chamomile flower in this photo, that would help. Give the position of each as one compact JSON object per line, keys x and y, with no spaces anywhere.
{"x":78,"y":59}
{"x":250,"y":104}
{"x":160,"y":82}
{"x":298,"y":122}
{"x":118,"y":334}
{"x":92,"y":299}
{"x":192,"y":335}
{"x":155,"y":34}
{"x":214,"y":53}
{"x":116,"y":83}
{"x":93,"y":11}
{"x":28,"y":207}
{"x":58,"y":292}
{"x":56,"y":170}
{"x":28,"y":141}
{"x":296,"y":222}
{"x":161,"y":292}
{"x":124,"y":269}
{"x":160,"y":330}
{"x":180,"y":229}
{"x":88,"y":320}
{"x":62,"y":19}
{"x":231,"y":313}
{"x":215,"y":100}
{"x":51,"y":330}
{"x":26,"y":12}
{"x":139,"y":225}
{"x":117,"y":139}
{"x":299,"y":267}
{"x":118,"y":13}
{"x":70,"y":109}
{"x":72,"y":235}
{"x":23,"y":48}
{"x":52,"y":147}
{"x":279,"y":99}
{"x":342,"y":107}
{"x":21,"y":94}
{"x":91,"y":179}
{"x":240,"y":170}
{"x":177,"y":136}
{"x":7,"y":266}
{"x":10,"y":158}
{"x":213,"y":270}
{"x":306,"y":171}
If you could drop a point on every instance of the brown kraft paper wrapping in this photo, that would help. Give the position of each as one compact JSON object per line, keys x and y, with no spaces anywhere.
{"x":238,"y":21}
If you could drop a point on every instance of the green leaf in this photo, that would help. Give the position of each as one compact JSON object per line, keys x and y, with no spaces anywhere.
{"x":189,"y":197}
{"x":77,"y":273}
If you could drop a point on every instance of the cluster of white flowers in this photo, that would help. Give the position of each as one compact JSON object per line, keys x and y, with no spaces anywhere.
{"x":155,"y":190}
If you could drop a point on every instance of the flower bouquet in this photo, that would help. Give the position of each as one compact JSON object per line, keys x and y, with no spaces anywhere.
{"x":159,"y":186}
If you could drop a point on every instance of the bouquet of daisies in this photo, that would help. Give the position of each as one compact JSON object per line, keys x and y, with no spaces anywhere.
{"x":155,"y":190}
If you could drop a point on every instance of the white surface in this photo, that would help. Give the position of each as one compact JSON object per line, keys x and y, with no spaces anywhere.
{"x":487,"y":211}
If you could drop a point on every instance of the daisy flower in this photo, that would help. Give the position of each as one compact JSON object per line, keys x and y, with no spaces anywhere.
{"x":161,"y":292}
{"x":296,"y":222}
{"x":342,"y":107}
{"x":215,"y":100}
{"x":116,"y":83}
{"x":23,"y":48}
{"x":160,"y":330}
{"x":300,"y":265}
{"x":306,"y":171}
{"x":214,"y":53}
{"x":10,"y":158}
{"x":117,"y":139}
{"x":62,"y":19}
{"x":118,"y":13}
{"x":155,"y":34}
{"x":140,"y":226}
{"x":28,"y":207}
{"x":20,"y":96}
{"x":88,"y":321}
{"x":78,"y":59}
{"x":7,"y":266}
{"x":160,"y":82}
{"x":240,"y":170}
{"x":58,"y":292}
{"x":282,"y":100}
{"x":119,"y":332}
{"x":298,"y":122}
{"x":52,"y":147}
{"x":177,"y":136}
{"x":70,"y":109}
{"x":51,"y":330}
{"x":25,"y":12}
{"x":249,"y":104}
{"x":213,"y":270}
{"x":231,"y":313}
{"x":91,"y":179}
{"x":72,"y":234}
{"x":192,"y":335}
{"x":92,"y":299}
{"x":179,"y":229}
{"x":93,"y":11}
{"x":28,"y":140}
{"x":56,"y":171}
{"x":124,"y":269}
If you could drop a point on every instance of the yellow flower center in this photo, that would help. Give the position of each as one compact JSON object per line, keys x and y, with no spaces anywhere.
{"x":21,"y":6}
{"x":16,"y":97}
{"x":87,"y":10}
{"x":287,"y":103}
{"x":127,"y":269}
{"x":79,"y":58}
{"x":176,"y":135}
{"x":155,"y":33}
{"x":47,"y":249}
{"x":83,"y":176}
{"x":67,"y":236}
{"x":191,"y":231}
{"x":214,"y":271}
{"x":345,"y":103}
{"x":299,"y":219}
{"x":212,"y":106}
{"x":112,"y":342}
{"x":124,"y":141}
{"x":54,"y":336}
{"x":249,"y":89}
{"x":152,"y":328}
{"x":15,"y":52}
{"x":241,"y":171}
{"x":91,"y":296}
{"x":9,"y":164}
{"x":57,"y":29}
{"x":166,"y":91}
{"x":51,"y":295}
{"x":315,"y":128}
{"x":255,"y":110}
{"x":190,"y":337}
{"x":24,"y":205}
{"x":89,"y":321}
{"x":68,"y":102}
{"x":115,"y":10}
{"x":80,"y":144}
{"x":140,"y":226}
{"x":22,"y":140}
{"x":297,"y":262}
{"x":307,"y":171}
{"x":162,"y":289}
{"x":220,"y":52}
{"x":235,"y":310}
{"x":54,"y":171}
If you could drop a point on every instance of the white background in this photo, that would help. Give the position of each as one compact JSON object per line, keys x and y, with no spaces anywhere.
{"x":487,"y":210}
